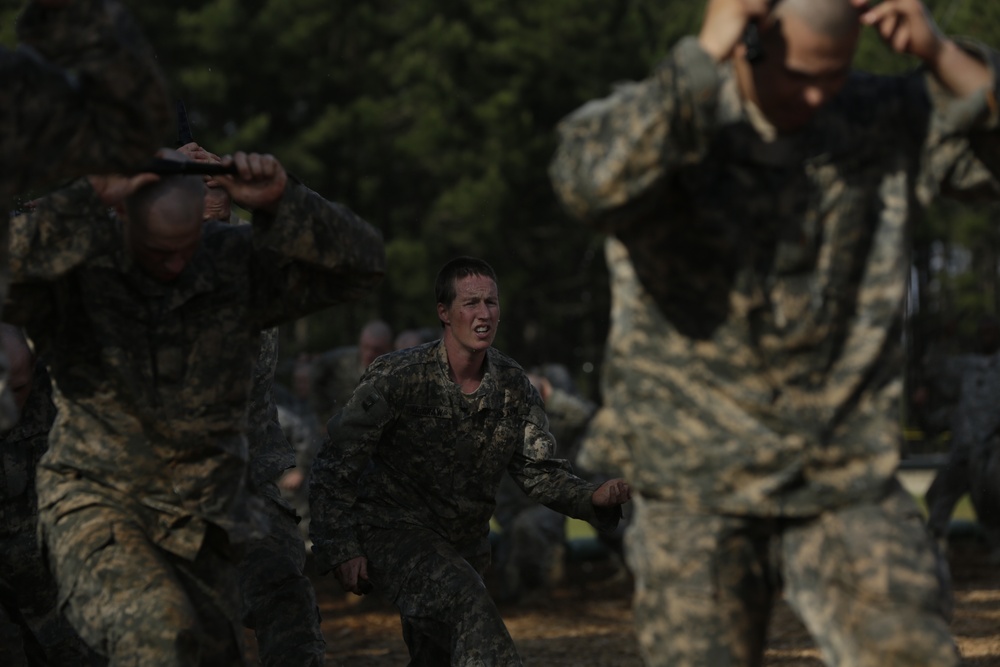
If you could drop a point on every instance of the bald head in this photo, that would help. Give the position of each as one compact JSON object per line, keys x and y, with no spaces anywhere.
{"x":22,"y":362}
{"x":163,"y":223}
{"x":836,"y":19}
{"x":374,"y":341}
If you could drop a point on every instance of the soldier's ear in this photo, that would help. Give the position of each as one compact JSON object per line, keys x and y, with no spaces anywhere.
{"x":443,"y":314}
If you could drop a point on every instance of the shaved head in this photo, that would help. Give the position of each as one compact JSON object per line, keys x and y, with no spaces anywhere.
{"x":163,"y":223}
{"x":837,"y":19}
{"x":375,"y":340}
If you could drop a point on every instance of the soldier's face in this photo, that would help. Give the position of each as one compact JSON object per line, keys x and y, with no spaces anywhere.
{"x":473,"y":316}
{"x":801,"y":71}
{"x":371,"y":347}
{"x":163,"y":246}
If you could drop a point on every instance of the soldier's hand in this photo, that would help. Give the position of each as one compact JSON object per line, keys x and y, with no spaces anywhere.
{"x":114,"y":188}
{"x":612,"y":492}
{"x":353,"y":575}
{"x":260,"y":182}
{"x":724,"y":25}
{"x":905,"y":26}
{"x":196,"y":153}
{"x":291,"y":480}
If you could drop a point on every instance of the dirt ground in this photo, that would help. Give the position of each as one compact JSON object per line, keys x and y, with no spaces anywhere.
{"x":588,"y":623}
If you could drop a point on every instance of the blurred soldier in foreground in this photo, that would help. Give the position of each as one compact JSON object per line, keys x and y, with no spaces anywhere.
{"x":279,"y":602}
{"x":152,"y":327}
{"x":974,"y":459}
{"x":81,"y":95}
{"x":32,"y":630}
{"x":763,"y":192}
{"x":403,"y":496}
{"x":530,"y":550}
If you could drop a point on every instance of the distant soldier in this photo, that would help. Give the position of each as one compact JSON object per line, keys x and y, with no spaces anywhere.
{"x":763,"y":192}
{"x":530,"y":551}
{"x":152,"y":326}
{"x":81,"y":95}
{"x":975,"y":437}
{"x":403,"y":496}
{"x":335,"y":374}
{"x":32,"y":630}
{"x":413,"y":337}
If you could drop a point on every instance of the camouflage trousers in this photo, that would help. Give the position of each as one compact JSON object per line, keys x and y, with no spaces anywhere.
{"x":447,"y":615}
{"x":32,"y":631}
{"x":139,"y":604}
{"x":279,"y":602}
{"x":865,"y":579}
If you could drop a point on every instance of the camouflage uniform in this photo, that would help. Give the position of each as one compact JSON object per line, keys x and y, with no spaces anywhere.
{"x":303,"y":430}
{"x":279,"y":602}
{"x":975,"y":445}
{"x":531,"y":546}
{"x":754,"y":356}
{"x":411,"y":484}
{"x":143,"y":492}
{"x":334,"y":376}
{"x":28,"y":589}
{"x":106,"y":110}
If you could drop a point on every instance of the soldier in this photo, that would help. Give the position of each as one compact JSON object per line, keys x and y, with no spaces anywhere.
{"x":32,"y":630}
{"x":762,"y":192}
{"x":974,"y":380}
{"x":279,"y":602}
{"x":402,"y":499}
{"x":153,"y":329}
{"x":82,"y":95}
{"x":414,"y":337}
{"x":335,"y":374}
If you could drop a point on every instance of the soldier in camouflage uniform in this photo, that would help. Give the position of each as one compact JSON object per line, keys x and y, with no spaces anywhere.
{"x":81,"y":95}
{"x":974,"y":381}
{"x":279,"y":602}
{"x":530,"y":549}
{"x":153,"y":329}
{"x":402,"y":499}
{"x":763,"y":194}
{"x":32,"y":631}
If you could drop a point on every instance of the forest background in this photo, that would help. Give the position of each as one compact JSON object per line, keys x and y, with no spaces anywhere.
{"x":435,"y":120}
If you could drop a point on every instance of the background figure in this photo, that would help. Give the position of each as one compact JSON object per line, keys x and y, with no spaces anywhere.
{"x":33,"y":631}
{"x":335,"y":373}
{"x":279,"y":602}
{"x":761,"y":194}
{"x":972,"y":465}
{"x":530,"y":550}
{"x":414,"y":337}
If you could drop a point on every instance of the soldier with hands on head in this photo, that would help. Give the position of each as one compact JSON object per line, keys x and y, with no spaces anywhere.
{"x":151,"y":324}
{"x":762,"y":194}
{"x":82,"y":94}
{"x":402,"y":499}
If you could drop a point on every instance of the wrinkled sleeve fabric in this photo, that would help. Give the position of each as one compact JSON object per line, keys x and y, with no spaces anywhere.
{"x":354,"y":434}
{"x":82,"y":94}
{"x":311,"y":254}
{"x":615,"y":153}
{"x":551,"y":481}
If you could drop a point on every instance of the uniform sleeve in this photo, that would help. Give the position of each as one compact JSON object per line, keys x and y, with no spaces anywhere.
{"x":311,"y":254}
{"x":270,"y":451}
{"x":354,"y":433}
{"x":615,"y":153}
{"x":551,"y":481}
{"x":81,"y":95}
{"x":65,"y":229}
{"x":961,"y":152}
